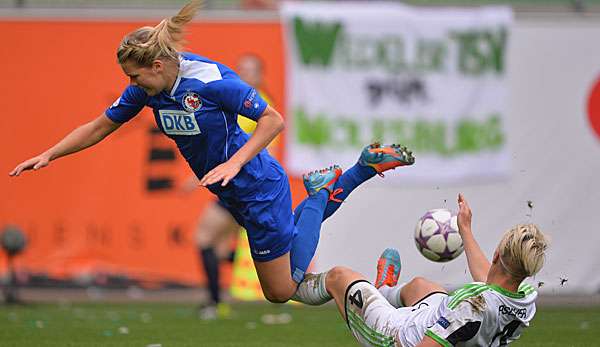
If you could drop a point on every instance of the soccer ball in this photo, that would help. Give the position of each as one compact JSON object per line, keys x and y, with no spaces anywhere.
{"x":437,"y":237}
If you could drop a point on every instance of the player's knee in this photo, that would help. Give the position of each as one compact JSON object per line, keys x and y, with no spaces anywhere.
{"x":278,"y":295}
{"x":419,"y":282}
{"x":338,"y":278}
{"x":335,"y":274}
{"x":276,"y":299}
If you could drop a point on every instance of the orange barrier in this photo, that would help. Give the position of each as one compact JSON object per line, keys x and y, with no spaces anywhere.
{"x":93,"y":211}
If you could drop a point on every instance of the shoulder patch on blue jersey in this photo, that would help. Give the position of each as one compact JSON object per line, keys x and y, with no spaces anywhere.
{"x":177,"y":122}
{"x":202,"y":71}
{"x":249,"y":102}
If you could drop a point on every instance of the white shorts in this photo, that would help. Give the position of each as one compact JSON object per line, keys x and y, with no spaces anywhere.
{"x":374,"y":322}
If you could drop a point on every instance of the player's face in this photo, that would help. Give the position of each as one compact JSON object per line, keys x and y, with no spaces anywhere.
{"x":150,"y":79}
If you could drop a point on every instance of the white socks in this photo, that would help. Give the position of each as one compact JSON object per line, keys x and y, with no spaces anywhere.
{"x":311,"y":290}
{"x":392,"y":294}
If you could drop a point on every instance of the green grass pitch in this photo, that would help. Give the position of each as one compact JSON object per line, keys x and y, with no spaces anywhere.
{"x":144,"y":324}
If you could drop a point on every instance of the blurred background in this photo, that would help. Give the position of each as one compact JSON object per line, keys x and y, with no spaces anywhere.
{"x":260,"y":5}
{"x":499,"y":100}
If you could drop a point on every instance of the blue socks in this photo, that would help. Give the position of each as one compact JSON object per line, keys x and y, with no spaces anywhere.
{"x":348,"y":181}
{"x":308,"y":230}
{"x":313,"y":210}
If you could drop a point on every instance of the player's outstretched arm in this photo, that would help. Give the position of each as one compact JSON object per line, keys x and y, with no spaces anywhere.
{"x":268,"y":126}
{"x":82,"y":137}
{"x":478,"y":263}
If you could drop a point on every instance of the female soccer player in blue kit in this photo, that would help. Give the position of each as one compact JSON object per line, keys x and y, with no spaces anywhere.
{"x":196,"y":102}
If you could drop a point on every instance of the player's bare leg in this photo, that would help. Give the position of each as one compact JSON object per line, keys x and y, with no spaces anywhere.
{"x":417,"y":289}
{"x":337,"y":281}
{"x":366,"y":311}
{"x":275,"y":278}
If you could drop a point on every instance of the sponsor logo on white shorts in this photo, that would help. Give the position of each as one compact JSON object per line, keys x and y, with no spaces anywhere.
{"x":176,"y":122}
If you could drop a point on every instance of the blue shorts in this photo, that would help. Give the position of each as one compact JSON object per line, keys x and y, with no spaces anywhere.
{"x":264,"y":208}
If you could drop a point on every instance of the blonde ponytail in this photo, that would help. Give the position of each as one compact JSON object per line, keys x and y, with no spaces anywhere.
{"x":147,"y":44}
{"x":522,"y":250}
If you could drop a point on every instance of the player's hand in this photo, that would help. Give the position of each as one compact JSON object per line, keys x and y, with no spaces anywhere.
{"x":464,"y":215}
{"x":34,"y":163}
{"x":224,"y":172}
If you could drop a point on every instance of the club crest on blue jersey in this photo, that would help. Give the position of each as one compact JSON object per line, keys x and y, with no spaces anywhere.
{"x":177,"y":122}
{"x":191,"y":102}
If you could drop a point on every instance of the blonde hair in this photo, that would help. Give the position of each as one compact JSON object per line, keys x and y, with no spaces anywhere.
{"x":522,"y":250}
{"x":147,"y":44}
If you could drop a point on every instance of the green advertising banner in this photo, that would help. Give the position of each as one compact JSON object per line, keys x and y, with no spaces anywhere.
{"x":433,"y":79}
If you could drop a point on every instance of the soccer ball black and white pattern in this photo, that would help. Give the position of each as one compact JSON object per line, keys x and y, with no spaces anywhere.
{"x":437,"y":237}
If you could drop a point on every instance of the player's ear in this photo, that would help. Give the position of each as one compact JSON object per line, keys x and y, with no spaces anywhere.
{"x":496,"y":257}
{"x":158,"y":65}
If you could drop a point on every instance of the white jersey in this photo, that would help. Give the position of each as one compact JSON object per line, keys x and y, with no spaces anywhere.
{"x":477,"y":314}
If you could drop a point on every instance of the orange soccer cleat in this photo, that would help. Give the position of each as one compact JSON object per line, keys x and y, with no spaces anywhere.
{"x":388,"y":268}
{"x":385,"y":157}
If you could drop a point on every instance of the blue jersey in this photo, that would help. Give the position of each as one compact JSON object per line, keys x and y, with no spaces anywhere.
{"x":200,"y":115}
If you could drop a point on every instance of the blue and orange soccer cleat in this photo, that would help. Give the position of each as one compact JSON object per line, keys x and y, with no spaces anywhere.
{"x":385,"y":157}
{"x":321,"y":179}
{"x":388,"y":268}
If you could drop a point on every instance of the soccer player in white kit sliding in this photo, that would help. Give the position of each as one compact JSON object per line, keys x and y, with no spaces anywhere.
{"x":492,"y":311}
